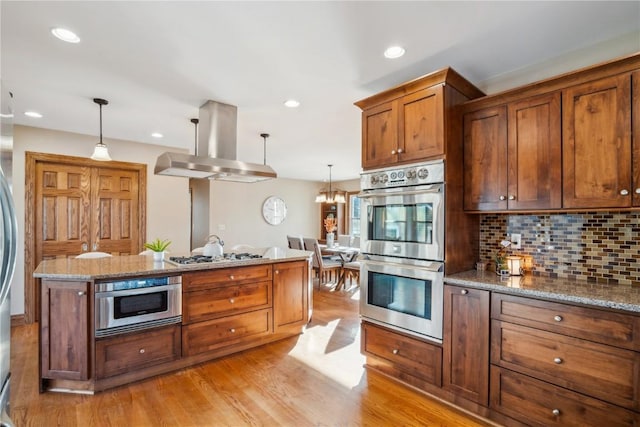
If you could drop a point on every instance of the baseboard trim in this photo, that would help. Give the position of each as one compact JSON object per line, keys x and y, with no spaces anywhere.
{"x":17,"y":320}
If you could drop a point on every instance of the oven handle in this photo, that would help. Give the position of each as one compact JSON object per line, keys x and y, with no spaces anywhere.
{"x":429,"y":190}
{"x":138,"y":291}
{"x":434,"y":267}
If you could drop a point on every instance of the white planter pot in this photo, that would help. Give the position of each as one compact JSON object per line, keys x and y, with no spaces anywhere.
{"x":330,"y":239}
{"x":158,"y":256}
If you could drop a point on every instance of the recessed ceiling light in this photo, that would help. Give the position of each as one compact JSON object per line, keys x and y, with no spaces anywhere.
{"x":291,"y":103}
{"x":394,"y":52}
{"x":33,"y":114}
{"x":65,"y":35}
{"x":157,"y":135}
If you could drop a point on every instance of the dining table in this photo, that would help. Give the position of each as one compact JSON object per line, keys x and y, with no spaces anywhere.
{"x":346,"y":253}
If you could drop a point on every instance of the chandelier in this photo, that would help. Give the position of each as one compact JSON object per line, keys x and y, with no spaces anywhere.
{"x":331,"y":196}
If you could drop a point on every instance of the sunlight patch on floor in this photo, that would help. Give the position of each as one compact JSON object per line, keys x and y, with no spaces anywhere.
{"x":344,"y":364}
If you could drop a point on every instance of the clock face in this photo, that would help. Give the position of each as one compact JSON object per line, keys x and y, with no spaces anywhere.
{"x":274,"y":210}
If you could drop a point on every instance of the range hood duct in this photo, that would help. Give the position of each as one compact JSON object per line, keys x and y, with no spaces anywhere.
{"x":216,"y":151}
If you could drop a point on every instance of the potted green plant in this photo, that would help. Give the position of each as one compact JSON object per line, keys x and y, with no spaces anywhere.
{"x":158,"y":247}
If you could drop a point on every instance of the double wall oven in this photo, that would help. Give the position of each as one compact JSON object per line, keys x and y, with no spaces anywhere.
{"x":402,"y":240}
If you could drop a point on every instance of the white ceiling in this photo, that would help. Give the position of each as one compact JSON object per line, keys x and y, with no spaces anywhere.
{"x":157,"y":62}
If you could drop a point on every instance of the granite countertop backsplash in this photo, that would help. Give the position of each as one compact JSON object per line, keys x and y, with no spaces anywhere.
{"x":622,"y":297}
{"x":138,"y":265}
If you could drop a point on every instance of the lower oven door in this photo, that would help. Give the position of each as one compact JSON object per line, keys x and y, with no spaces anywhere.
{"x":404,"y":294}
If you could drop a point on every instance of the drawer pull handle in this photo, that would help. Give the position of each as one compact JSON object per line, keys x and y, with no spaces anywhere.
{"x":231,"y":300}
{"x":464,"y":292}
{"x":557,"y":318}
{"x":141,"y":351}
{"x":395,"y":351}
{"x":81,"y":293}
{"x":557,"y":361}
{"x":556,"y":412}
{"x":232,"y":330}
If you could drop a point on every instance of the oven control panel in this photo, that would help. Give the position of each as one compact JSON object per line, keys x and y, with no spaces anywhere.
{"x":403,"y":176}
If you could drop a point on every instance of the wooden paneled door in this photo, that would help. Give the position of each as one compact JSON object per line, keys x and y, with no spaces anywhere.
{"x":75,"y":205}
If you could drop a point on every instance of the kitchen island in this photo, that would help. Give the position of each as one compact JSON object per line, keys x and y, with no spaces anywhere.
{"x":226,"y":306}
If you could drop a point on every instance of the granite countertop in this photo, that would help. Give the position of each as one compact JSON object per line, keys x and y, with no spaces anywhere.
{"x":622,"y":297}
{"x":140,"y":265}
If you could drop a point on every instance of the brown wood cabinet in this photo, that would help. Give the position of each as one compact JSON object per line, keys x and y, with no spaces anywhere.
{"x":466,"y":343}
{"x":291,"y":287}
{"x":121,"y":354}
{"x":513,"y":156}
{"x":597,"y":144}
{"x":402,"y":356}
{"x":408,"y":123}
{"x":635,"y":136}
{"x":554,"y":363}
{"x":65,"y":330}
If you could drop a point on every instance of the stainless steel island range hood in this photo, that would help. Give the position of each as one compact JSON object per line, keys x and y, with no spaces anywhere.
{"x":215,"y":156}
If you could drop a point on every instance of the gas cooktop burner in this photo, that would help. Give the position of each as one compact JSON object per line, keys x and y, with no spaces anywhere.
{"x":199,"y":259}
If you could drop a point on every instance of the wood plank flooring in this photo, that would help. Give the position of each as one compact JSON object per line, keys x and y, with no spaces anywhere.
{"x":315,"y":379}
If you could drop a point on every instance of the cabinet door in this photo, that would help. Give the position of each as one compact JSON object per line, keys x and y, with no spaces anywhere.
{"x":421,"y":125}
{"x":485,"y":159}
{"x":534,"y":153}
{"x":290,"y":294}
{"x":380,"y":135}
{"x":466,"y":343}
{"x":64,"y":330}
{"x":635,"y":126}
{"x":596,"y":144}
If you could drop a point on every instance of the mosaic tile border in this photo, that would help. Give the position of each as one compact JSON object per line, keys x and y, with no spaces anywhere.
{"x":595,"y":246}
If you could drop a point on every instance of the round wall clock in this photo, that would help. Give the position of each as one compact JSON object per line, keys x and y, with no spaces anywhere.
{"x":274,"y":210}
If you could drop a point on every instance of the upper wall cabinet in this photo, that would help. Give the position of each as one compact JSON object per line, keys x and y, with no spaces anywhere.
{"x":408,"y":123}
{"x":512,"y":155}
{"x":563,"y":143}
{"x":596,"y":145}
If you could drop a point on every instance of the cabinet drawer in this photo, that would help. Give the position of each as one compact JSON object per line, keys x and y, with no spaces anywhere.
{"x":225,"y":300}
{"x":415,"y":357}
{"x":213,"y":334}
{"x":541,"y":404}
{"x":199,"y":280}
{"x":606,"y":327}
{"x":121,"y":354}
{"x":596,"y":370}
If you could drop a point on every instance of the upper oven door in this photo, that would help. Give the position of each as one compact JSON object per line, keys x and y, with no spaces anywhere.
{"x":406,"y":222}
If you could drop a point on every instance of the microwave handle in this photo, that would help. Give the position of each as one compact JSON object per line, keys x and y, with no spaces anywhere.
{"x":432,"y":190}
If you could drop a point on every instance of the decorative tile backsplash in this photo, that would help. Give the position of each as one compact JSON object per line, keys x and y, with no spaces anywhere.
{"x":594,"y":246}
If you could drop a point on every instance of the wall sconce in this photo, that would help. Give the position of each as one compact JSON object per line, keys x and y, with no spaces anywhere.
{"x":514,"y":264}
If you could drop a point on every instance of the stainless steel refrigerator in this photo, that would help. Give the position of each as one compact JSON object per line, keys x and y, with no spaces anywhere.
{"x":8,"y":235}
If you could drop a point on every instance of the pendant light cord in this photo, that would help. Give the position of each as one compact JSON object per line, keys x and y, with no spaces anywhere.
{"x":264,"y":148}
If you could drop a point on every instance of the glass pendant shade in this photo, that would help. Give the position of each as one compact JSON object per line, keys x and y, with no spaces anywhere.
{"x":100,"y":152}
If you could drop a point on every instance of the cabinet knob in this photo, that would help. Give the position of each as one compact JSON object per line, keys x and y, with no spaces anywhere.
{"x":557,"y":360}
{"x":556,"y":412}
{"x":557,"y":318}
{"x":395,"y":351}
{"x":624,"y":192}
{"x":276,"y":272}
{"x":399,"y":150}
{"x":464,"y":292}
{"x":502,"y":198}
{"x":638,"y":190}
{"x":231,"y":300}
{"x":141,"y":351}
{"x":84,"y":246}
{"x":81,"y":293}
{"x":232,"y":330}
{"x":393,"y":151}
{"x":512,"y":197}
{"x":232,"y":277}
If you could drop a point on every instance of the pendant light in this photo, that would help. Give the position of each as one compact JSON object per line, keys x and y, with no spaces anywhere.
{"x":101,"y":152}
{"x":330,"y":196}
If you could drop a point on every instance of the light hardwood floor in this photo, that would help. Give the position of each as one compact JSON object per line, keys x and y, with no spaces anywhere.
{"x":315,"y":379}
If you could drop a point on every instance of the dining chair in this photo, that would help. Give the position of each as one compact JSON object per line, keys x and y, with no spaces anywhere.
{"x":295,"y":242}
{"x":324,"y":267}
{"x":88,"y":255}
{"x":352,"y":272}
{"x":356,"y":242}
{"x":344,"y":240}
